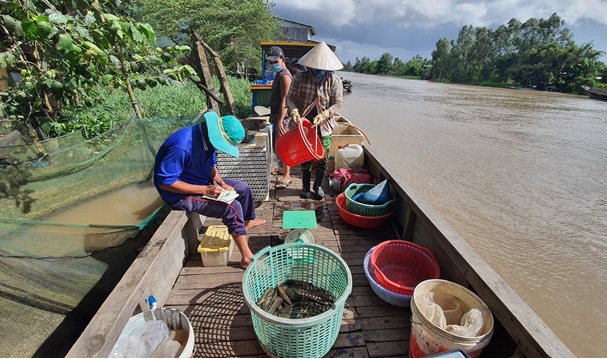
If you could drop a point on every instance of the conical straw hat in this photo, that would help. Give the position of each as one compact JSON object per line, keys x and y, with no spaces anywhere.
{"x":321,"y":58}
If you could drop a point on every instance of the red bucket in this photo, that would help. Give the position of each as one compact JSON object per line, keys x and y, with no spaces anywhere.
{"x":300,"y":144}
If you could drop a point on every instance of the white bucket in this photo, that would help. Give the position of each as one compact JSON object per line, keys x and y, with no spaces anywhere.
{"x":350,"y":156}
{"x":174,"y":319}
{"x":427,"y":338}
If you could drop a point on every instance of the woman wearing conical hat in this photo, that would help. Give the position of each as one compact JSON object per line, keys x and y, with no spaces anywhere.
{"x":317,"y":94}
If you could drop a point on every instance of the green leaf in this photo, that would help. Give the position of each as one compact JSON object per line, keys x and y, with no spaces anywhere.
{"x":166,"y":57}
{"x":134,"y":66}
{"x":12,"y":25}
{"x":147,"y":31}
{"x":107,"y":78}
{"x":65,"y":43}
{"x":151,"y":82}
{"x":89,"y":18}
{"x":140,"y":84}
{"x":6,"y":58}
{"x":82,"y":31}
{"x":136,"y":35}
{"x":30,"y":29}
{"x":45,"y":30}
{"x":75,"y":49}
{"x":58,"y":18}
{"x":110,"y":17}
{"x":190,"y":70}
{"x":72,"y":83}
{"x":46,"y":126}
{"x":115,"y":61}
{"x":57,"y":127}
{"x":89,"y":45}
{"x":56,"y":85}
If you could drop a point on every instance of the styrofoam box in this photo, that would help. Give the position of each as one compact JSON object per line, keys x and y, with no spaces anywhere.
{"x":216,"y":246}
{"x":344,"y":135}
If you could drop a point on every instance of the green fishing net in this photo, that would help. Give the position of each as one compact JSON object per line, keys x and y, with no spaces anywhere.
{"x":59,"y":253}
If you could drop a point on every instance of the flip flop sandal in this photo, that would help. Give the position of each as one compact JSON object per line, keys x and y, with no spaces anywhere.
{"x":283,"y":185}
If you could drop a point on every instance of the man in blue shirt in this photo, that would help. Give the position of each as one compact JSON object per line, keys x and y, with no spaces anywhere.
{"x":186,"y":176}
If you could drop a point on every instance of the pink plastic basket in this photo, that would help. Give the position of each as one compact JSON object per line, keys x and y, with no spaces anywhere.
{"x":400,"y":265}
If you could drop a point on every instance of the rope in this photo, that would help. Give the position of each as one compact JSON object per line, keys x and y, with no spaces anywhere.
{"x":358,"y":128}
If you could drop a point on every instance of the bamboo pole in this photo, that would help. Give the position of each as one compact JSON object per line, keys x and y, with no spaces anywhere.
{"x":205,"y":73}
{"x":223,"y":79}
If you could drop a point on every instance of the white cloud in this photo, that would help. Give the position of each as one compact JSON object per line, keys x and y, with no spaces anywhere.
{"x":416,"y":25}
{"x":440,"y":12}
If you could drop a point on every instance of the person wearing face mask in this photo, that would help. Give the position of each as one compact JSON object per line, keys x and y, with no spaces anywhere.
{"x":279,"y":116}
{"x":318,"y":93}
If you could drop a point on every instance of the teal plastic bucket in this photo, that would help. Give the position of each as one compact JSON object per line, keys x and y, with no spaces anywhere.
{"x":307,"y":337}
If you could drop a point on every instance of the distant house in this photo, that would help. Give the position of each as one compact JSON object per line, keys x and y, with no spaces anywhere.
{"x":296,"y":31}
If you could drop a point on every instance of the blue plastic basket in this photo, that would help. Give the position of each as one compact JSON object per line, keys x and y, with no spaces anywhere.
{"x":399,"y":300}
{"x":306,"y":337}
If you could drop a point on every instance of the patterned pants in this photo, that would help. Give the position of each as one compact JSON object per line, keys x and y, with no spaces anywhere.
{"x":233,"y":215}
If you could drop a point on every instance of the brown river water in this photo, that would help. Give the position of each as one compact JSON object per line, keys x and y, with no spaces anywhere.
{"x":520,"y":175}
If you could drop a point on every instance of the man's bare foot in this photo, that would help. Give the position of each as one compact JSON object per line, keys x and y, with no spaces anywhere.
{"x":253,"y":223}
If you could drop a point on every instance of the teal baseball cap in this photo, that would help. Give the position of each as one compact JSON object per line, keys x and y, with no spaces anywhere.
{"x":225,"y":132}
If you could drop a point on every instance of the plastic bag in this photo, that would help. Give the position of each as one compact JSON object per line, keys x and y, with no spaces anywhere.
{"x":448,"y":313}
{"x":377,"y":195}
{"x":142,"y":341}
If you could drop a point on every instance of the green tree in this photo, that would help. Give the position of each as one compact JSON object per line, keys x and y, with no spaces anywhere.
{"x":398,"y":67}
{"x":583,"y":69}
{"x":365,"y":65}
{"x":482,"y":56}
{"x":233,"y":28}
{"x":384,"y":64}
{"x":415,"y":66}
{"x":538,"y":52}
{"x":62,"y":49}
{"x":441,"y":58}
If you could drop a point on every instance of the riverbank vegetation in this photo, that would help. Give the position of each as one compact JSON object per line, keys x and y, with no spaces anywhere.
{"x":85,"y":65}
{"x":66,"y":63}
{"x":537,"y":53}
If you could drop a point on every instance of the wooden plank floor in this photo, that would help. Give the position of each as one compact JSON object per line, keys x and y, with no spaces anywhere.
{"x":212,"y":297}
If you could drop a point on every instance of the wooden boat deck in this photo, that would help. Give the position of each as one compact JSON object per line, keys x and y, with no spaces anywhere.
{"x":169,"y":268}
{"x":212,"y":299}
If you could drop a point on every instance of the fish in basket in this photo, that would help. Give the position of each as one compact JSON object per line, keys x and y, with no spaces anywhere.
{"x":296,"y":299}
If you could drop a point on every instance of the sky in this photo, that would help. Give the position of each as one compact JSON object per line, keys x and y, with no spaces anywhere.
{"x":406,"y":28}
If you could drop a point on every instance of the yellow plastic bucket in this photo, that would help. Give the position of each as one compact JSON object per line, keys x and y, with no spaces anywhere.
{"x":427,"y":338}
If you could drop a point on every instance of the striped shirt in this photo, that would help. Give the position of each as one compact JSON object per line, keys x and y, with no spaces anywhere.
{"x":305,"y":90}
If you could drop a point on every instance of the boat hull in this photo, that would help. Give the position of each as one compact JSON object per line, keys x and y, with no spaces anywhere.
{"x":596,"y":94}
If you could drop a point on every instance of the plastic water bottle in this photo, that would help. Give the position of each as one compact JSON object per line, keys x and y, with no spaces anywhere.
{"x":153,"y":305}
{"x":152,"y":302}
{"x":350,"y":156}
{"x":334,"y":183}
